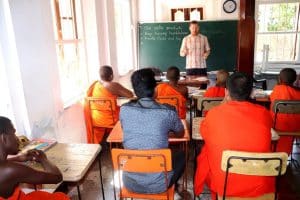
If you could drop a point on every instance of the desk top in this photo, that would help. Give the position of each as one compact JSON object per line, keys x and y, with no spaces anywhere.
{"x":196,"y":134}
{"x":73,"y":160}
{"x":116,"y":135}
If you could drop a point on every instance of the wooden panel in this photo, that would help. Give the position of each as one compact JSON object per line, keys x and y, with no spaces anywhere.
{"x":246,"y":36}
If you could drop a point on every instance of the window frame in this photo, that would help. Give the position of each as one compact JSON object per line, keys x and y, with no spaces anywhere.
{"x":60,"y":43}
{"x":277,"y":64}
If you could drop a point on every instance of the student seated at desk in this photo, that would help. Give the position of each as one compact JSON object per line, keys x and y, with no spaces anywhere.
{"x":172,"y":88}
{"x":104,"y":88}
{"x":286,"y":122}
{"x":146,"y":125}
{"x":220,"y":131}
{"x":219,"y":89}
{"x":12,"y":172}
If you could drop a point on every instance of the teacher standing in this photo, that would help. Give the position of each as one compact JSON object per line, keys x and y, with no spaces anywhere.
{"x":196,"y":48}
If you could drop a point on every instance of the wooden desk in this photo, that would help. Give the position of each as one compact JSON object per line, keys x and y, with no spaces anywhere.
{"x":73,"y":160}
{"x":116,"y":136}
{"x":194,"y":81}
{"x":196,"y":135}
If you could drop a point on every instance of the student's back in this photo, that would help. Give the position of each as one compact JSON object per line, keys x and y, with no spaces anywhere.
{"x":172,"y":88}
{"x":286,"y":122}
{"x":219,"y":89}
{"x":105,"y":88}
{"x":234,"y":125}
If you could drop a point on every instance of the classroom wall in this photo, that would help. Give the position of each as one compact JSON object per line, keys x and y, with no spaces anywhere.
{"x":27,"y":42}
{"x":160,"y":10}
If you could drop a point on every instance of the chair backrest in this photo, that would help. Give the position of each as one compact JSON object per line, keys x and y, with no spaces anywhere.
{"x":285,"y":107}
{"x":256,"y":164}
{"x":172,"y":100}
{"x":102,"y":104}
{"x":142,"y":161}
{"x":207,"y":103}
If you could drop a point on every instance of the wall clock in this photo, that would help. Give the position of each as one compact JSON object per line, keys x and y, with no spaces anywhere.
{"x":229,"y":6}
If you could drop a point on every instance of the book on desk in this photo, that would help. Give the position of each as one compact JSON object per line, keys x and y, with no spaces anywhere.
{"x":40,"y":144}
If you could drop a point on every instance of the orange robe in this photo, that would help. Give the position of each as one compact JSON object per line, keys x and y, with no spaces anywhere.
{"x":285,"y":122}
{"x":103,"y":118}
{"x":36,"y":195}
{"x":215,"y":92}
{"x":220,"y":132}
{"x":165,"y":89}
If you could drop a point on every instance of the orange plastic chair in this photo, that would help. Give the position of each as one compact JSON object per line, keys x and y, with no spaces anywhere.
{"x":102,"y":107}
{"x":172,"y":100}
{"x":143,"y":161}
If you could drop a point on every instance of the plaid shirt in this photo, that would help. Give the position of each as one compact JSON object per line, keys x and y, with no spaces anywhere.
{"x":193,"y":47}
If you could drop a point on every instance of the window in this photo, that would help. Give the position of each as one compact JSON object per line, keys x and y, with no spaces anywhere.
{"x":124,"y":35}
{"x":70,"y":49}
{"x":277,"y":31}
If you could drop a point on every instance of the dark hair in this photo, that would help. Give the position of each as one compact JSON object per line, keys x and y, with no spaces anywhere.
{"x":105,"y":72}
{"x":143,"y":82}
{"x":239,"y":86}
{"x":288,"y":76}
{"x":173,"y":73}
{"x":193,"y":22}
{"x":5,"y":125}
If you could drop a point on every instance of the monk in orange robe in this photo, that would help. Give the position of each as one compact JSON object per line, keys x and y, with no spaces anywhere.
{"x":220,"y":131}
{"x":103,"y":88}
{"x":286,"y":122}
{"x":173,"y":89}
{"x":12,"y":172}
{"x":219,"y":89}
{"x":36,"y":195}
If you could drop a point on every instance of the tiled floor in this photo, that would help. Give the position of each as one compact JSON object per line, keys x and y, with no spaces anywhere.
{"x":91,"y":190}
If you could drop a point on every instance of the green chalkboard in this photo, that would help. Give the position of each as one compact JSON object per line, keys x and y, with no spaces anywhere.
{"x":159,"y":44}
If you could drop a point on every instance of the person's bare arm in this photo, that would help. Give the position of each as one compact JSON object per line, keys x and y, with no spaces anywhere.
{"x":206,"y":54}
{"x":119,"y":90}
{"x":185,"y":92}
{"x":20,"y":157}
{"x":21,"y":173}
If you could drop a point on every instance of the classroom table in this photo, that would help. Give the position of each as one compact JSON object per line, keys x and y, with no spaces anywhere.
{"x":195,"y":81}
{"x":116,"y":136}
{"x":192,"y":81}
{"x":73,"y":160}
{"x":196,"y":135}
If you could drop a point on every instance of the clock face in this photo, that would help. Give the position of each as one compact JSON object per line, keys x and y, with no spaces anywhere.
{"x":229,"y":6}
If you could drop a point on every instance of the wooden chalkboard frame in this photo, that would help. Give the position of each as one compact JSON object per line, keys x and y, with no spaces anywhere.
{"x":222,"y":36}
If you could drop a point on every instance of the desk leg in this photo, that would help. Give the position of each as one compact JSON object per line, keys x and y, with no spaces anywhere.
{"x":185,"y":146}
{"x":100,"y":171}
{"x":78,"y":191}
{"x":113,"y":174}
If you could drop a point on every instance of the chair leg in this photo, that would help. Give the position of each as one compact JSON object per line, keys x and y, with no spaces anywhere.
{"x":101,"y":179}
{"x":78,"y":191}
{"x":294,"y":161}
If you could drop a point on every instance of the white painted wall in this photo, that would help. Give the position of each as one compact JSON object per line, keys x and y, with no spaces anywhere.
{"x":34,"y":40}
{"x":11,"y":65}
{"x":28,"y":48}
{"x":160,"y":10}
